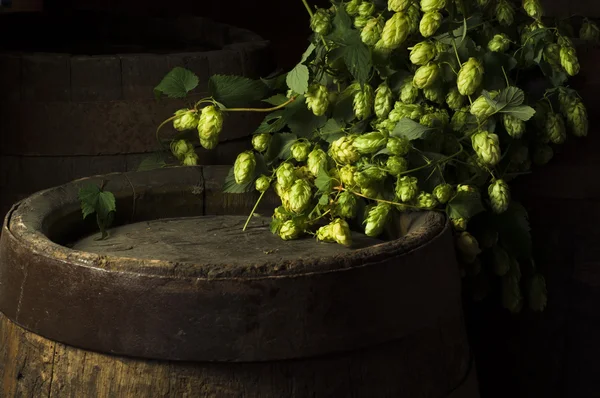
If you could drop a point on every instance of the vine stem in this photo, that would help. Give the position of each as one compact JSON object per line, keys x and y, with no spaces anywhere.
{"x":380,"y":200}
{"x":167,"y":121}
{"x":262,"y":109}
{"x":310,"y":12}
{"x":253,"y":210}
{"x":431,"y":164}
{"x":505,"y":77}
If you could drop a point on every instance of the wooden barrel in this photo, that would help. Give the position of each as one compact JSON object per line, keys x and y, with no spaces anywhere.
{"x":79,"y":105}
{"x":178,"y":301}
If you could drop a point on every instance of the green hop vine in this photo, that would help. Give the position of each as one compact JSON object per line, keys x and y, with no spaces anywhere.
{"x":400,"y":106}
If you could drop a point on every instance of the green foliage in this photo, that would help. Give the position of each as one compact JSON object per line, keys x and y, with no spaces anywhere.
{"x":234,"y":91}
{"x":177,"y":83}
{"x":94,"y":199}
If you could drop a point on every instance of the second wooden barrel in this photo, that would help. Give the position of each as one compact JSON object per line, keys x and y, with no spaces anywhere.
{"x":178,"y":301}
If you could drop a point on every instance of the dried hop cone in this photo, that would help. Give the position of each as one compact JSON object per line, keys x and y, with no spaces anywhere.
{"x":455,"y":99}
{"x":395,"y":31}
{"x":260,"y":142}
{"x":432,"y":5}
{"x":499,"y":43}
{"x":346,"y":205}
{"x":407,"y":188}
{"x":376,"y":219}
{"x":180,"y":148}
{"x":569,"y":60}
{"x":589,"y":31}
{"x":286,"y":175}
{"x":499,"y":193}
{"x":467,"y":246}
{"x":190,"y":159}
{"x":321,"y":22}
{"x":317,"y":161}
{"x":422,"y":53}
{"x":185,"y":120}
{"x":481,"y":108}
{"x":342,"y":150}
{"x":505,"y":13}
{"x":384,"y":101}
{"x":514,"y":127}
{"x":408,"y":92}
{"x":243,"y":169}
{"x":399,"y":146}
{"x":555,"y":128}
{"x":538,"y":294}
{"x":290,"y":230}
{"x":533,"y":8}
{"x":370,"y":142}
{"x":371,"y":32}
{"x":262,"y":183}
{"x":426,"y":201}
{"x":430,"y":23}
{"x":317,"y":99}
{"x":363,"y":101}
{"x":300,"y":150}
{"x":470,"y":77}
{"x":398,"y":5}
{"x":443,"y":193}
{"x":426,"y":75}
{"x":487,"y":147}
{"x":299,"y":196}
{"x":396,"y":165}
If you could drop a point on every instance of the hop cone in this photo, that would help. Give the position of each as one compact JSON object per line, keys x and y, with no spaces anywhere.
{"x":443,"y":193}
{"x":281,"y":214}
{"x":454,"y":99}
{"x":500,"y":260}
{"x":499,"y":193}
{"x":299,"y":196}
{"x":482,"y":3}
{"x":577,"y":119}
{"x":363,"y":101}
{"x":190,"y":159}
{"x":459,"y":119}
{"x":396,"y":165}
{"x":538,"y":295}
{"x":321,"y":22}
{"x":422,"y":53}
{"x":398,"y":5}
{"x":514,"y":127}
{"x":399,"y":146}
{"x":370,"y":142}
{"x":465,"y":188}
{"x":346,"y":205}
{"x":371,"y":32}
{"x":290,"y":230}
{"x":317,"y":99}
{"x":533,"y":8}
{"x":395,"y":31}
{"x":300,"y":150}
{"x":569,"y":60}
{"x":434,"y":94}
{"x":361,"y":21}
{"x":487,"y":147}
{"x":426,"y":75}
{"x":366,"y":9}
{"x":386,"y":125}
{"x":376,"y":219}
{"x":407,"y":188}
{"x":342,"y":150}
{"x":470,"y":77}
{"x":436,"y":119}
{"x":262,"y":183}
{"x":286,"y":175}
{"x":499,"y":43}
{"x":210,"y":123}
{"x":383,"y":101}
{"x":369,"y":177}
{"x":181,"y":148}
{"x":352,"y":7}
{"x":337,"y":231}
{"x":413,"y":16}
{"x":209,"y":143}
{"x":459,"y":224}
{"x":542,"y":154}
{"x":430,"y":23}
{"x":589,"y":31}
{"x":347,"y":175}
{"x":505,"y":13}
{"x":185,"y":120}
{"x":552,"y":54}
{"x":467,"y":246}
{"x":317,"y":161}
{"x":243,"y":169}
{"x":432,"y":5}
{"x":426,"y":201}
{"x":260,"y":142}
{"x":408,"y":92}
{"x":481,"y":108}
{"x":555,"y":128}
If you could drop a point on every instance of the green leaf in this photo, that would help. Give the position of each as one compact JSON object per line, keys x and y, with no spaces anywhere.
{"x":177,"y":83}
{"x":106,"y":204}
{"x":510,"y":96}
{"x":104,"y":223}
{"x":152,"y":162}
{"x":470,"y":23}
{"x":88,"y":196}
{"x":357,"y":58}
{"x":297,"y":79}
{"x":235,"y":91}
{"x":287,"y":140}
{"x":331,"y":131}
{"x":523,"y":112}
{"x":276,"y":81}
{"x":308,"y":52}
{"x":410,"y":129}
{"x":342,"y":26}
{"x":324,"y":199}
{"x":323,"y":181}
{"x":276,"y":100}
{"x":230,"y":186}
{"x":275,"y":226}
{"x":514,"y":230}
{"x":273,"y":122}
{"x":396,"y":80}
{"x":465,"y":204}
{"x":301,"y":120}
